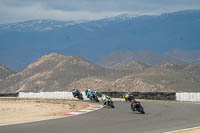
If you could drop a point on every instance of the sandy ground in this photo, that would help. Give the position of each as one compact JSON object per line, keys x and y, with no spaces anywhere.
{"x":13,"y":111}
{"x":196,"y":130}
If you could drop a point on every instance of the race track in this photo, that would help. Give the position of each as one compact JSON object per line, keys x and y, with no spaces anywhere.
{"x":160,"y":117}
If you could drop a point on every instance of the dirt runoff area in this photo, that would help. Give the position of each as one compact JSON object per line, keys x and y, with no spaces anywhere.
{"x":195,"y":130}
{"x":13,"y":111}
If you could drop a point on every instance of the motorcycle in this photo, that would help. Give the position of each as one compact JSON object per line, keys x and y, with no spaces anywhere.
{"x":93,"y":97}
{"x":78,"y":95}
{"x":137,"y":107}
{"x":109,"y":103}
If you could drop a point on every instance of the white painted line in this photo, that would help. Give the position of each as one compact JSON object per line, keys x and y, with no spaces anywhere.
{"x":183,"y":130}
{"x":95,"y":106}
{"x":86,"y":110}
{"x":75,"y":113}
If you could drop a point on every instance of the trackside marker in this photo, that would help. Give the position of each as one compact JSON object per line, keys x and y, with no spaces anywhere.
{"x":92,"y":107}
{"x":68,"y":114}
{"x":80,"y":111}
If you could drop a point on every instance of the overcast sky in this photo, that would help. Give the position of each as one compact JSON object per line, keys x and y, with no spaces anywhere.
{"x":21,"y":10}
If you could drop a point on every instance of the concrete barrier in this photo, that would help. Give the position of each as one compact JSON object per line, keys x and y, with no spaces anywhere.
{"x":47,"y":95}
{"x":188,"y":96}
{"x":182,"y":96}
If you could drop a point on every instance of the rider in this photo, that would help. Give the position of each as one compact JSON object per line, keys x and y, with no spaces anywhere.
{"x":89,"y":92}
{"x":86,"y":92}
{"x":75,"y":92}
{"x":105,"y":98}
{"x":133,"y":103}
{"x":126,"y":96}
{"x":96,"y":93}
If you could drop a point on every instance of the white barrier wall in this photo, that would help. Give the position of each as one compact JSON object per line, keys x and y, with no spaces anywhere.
{"x":185,"y":96}
{"x":47,"y":95}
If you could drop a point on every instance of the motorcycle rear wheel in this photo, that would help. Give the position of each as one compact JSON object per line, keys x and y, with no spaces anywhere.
{"x":112,"y":106}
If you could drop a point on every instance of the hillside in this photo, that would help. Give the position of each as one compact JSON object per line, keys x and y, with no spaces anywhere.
{"x":164,"y":78}
{"x":116,"y":59}
{"x":191,"y":57}
{"x":132,"y":66}
{"x":5,"y":72}
{"x":24,"y":42}
{"x":54,"y":72}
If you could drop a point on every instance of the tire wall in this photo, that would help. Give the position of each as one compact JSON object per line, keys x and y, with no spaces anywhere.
{"x":145,"y":95}
{"x":9,"y":94}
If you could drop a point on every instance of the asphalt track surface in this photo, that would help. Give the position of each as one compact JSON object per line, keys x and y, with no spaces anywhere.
{"x":160,"y":117}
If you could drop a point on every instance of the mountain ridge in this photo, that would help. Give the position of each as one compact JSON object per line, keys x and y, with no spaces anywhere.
{"x":116,"y":59}
{"x":5,"y":71}
{"x":55,"y":72}
{"x":99,"y":38}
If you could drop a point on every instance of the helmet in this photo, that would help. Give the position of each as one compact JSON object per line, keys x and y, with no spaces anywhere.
{"x":108,"y":97}
{"x":73,"y":89}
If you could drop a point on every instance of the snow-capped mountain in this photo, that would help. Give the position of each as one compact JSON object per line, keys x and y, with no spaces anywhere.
{"x":37,"y":25}
{"x":47,"y":24}
{"x":24,"y":42}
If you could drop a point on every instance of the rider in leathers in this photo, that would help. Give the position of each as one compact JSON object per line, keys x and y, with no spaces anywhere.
{"x":105,"y":98}
{"x":133,"y":103}
{"x":75,"y":92}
